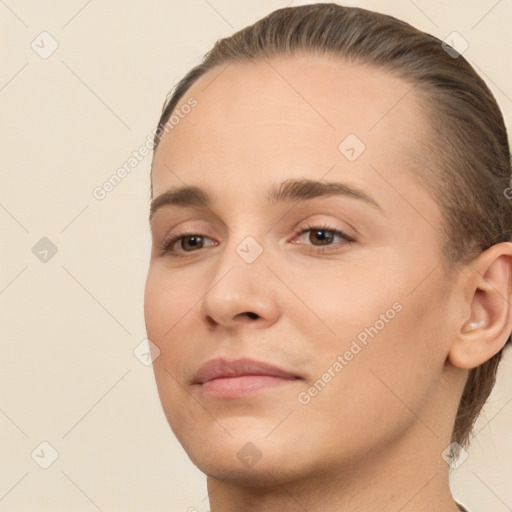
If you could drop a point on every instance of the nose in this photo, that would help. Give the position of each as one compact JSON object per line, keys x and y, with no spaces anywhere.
{"x":240,"y":291}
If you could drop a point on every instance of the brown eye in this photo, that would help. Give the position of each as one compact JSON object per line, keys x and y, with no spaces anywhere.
{"x":190,"y":242}
{"x":322,"y":239}
{"x":185,"y":243}
{"x":319,"y":236}
{"x":323,"y":236}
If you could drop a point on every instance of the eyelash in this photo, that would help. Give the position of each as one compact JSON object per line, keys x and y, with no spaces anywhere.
{"x":168,"y":243}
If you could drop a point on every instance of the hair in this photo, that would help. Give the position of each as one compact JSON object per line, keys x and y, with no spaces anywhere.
{"x":467,"y":152}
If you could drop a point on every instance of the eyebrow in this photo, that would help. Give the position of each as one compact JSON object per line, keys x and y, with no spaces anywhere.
{"x":289,"y":190}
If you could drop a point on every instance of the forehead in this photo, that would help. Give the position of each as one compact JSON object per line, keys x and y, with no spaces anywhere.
{"x":305,"y":115}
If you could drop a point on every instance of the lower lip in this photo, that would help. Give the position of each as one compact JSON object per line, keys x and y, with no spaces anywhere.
{"x":236,"y":387}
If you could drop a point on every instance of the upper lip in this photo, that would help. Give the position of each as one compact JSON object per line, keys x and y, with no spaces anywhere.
{"x":221,"y":368}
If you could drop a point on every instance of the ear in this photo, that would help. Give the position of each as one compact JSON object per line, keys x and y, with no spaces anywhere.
{"x":485,"y":326}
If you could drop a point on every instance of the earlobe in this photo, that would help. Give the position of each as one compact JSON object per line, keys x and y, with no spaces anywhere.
{"x":488,"y":290}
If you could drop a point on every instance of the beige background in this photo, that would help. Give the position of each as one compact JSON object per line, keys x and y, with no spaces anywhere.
{"x":68,"y":374}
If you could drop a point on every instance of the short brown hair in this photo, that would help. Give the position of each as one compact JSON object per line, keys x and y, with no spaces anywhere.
{"x":468,"y":152}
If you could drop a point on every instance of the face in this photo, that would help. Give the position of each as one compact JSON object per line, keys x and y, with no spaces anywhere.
{"x":339,"y":289}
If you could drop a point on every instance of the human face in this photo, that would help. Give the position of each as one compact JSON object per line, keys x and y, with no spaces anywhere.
{"x":306,"y":302}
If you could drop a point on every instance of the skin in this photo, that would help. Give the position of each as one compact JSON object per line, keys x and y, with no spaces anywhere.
{"x":372,"y":438}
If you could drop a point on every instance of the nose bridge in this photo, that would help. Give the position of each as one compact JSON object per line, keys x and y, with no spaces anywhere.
{"x":241,"y":264}
{"x":244,"y":243}
{"x":239,"y":281}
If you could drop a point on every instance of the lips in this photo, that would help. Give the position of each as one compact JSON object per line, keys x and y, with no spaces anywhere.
{"x":222,"y":379}
{"x":222,"y":369}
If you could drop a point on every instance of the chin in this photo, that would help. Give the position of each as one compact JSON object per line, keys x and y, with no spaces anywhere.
{"x":264,"y":473}
{"x":247,"y":458}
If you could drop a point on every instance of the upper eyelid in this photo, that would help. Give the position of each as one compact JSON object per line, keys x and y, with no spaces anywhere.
{"x":297,"y":231}
{"x":308,"y":214}
{"x":339,"y":231}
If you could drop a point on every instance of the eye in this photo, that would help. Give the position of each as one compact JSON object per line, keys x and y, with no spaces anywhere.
{"x":323,"y":237}
{"x":186,"y":242}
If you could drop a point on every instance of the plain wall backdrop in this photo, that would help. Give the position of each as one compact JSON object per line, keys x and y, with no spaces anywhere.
{"x":82,"y":84}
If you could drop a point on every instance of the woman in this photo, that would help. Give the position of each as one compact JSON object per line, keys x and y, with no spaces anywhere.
{"x":329,"y":284}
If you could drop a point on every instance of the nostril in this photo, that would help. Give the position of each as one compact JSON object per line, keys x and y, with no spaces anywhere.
{"x":252,"y":315}
{"x":211,"y":322}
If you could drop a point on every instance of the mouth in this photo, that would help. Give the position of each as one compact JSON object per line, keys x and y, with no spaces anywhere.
{"x":221,"y":378}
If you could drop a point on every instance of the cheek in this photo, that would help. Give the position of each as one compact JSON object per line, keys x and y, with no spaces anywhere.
{"x":152,"y":293}
{"x":346,"y":302}
{"x":168,"y":311}
{"x":384,"y":334}
{"x":167,"y":302}
{"x":386,"y":381}
{"x":172,"y":303}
